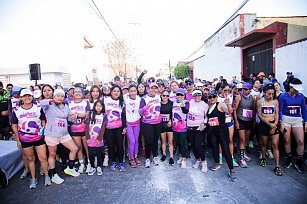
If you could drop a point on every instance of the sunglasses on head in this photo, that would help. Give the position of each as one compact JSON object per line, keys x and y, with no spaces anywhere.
{"x":165,"y":95}
{"x":198,"y":94}
{"x":212,"y":96}
{"x":179,"y":94}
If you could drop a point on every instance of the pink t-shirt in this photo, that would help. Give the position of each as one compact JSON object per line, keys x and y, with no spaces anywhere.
{"x":82,"y":107}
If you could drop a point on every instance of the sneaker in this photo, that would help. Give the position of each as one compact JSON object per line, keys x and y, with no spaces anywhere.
{"x":220,"y":159}
{"x":234,"y":162}
{"x":138,"y":161}
{"x":143,"y":153}
{"x":133,"y":164}
{"x":81,"y":168}
{"x":113,"y":166}
{"x":262,"y":163}
{"x":183,"y":164}
{"x":24,"y":173}
{"x":288,"y":163}
{"x":33,"y":183}
{"x":278,"y":171}
{"x":243,"y":163}
{"x":196,"y":164}
{"x":71,"y":172}
{"x":299,"y":167}
{"x":247,"y":158}
{"x":270,"y":154}
{"x":99,"y":171}
{"x":163,"y":158}
{"x":47,"y":181}
{"x":251,"y":144}
{"x":204,"y":167}
{"x":122,"y":167}
{"x":56,"y":179}
{"x":88,"y":168}
{"x":232,"y":176}
{"x":41,"y":171}
{"x":155,"y":161}
{"x":171,"y":162}
{"x":215,"y":166}
{"x":179,"y":160}
{"x":260,"y":156}
{"x":92,"y":171}
{"x":147,"y":163}
{"x":106,"y":161}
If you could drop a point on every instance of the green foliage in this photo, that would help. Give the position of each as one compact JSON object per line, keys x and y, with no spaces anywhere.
{"x":182,"y":71}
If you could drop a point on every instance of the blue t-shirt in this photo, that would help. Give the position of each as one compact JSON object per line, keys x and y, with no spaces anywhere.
{"x":292,"y":106}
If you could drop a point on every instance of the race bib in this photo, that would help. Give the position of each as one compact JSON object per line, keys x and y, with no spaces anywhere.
{"x":60,"y":123}
{"x":191,"y":117}
{"x":267,"y":110}
{"x":213,"y":122}
{"x":294,"y":110}
{"x":247,"y":113}
{"x":165,"y":117}
{"x":228,"y":118}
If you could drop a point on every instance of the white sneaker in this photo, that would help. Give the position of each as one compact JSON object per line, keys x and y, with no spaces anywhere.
{"x":47,"y":181}
{"x":147,"y":163}
{"x":56,"y":179}
{"x":204,"y":167}
{"x":260,"y":156}
{"x":24,"y":173}
{"x":92,"y":171}
{"x":81,"y":168}
{"x":179,"y":160}
{"x":106,"y":161}
{"x":88,"y":168}
{"x":71,"y":172}
{"x":33,"y":183}
{"x":99,"y":171}
{"x":155,"y":161}
{"x":196,"y":164}
{"x":183,"y":164}
{"x":270,"y":154}
{"x":247,"y":158}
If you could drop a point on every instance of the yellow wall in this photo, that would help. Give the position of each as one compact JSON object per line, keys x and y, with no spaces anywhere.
{"x":296,"y":32}
{"x":265,"y":21}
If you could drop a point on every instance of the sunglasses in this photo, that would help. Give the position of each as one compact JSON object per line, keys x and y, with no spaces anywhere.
{"x":189,"y":84}
{"x":196,"y":95}
{"x":165,"y":95}
{"x":212,"y":96}
{"x":179,"y":95}
{"x":226,"y":90}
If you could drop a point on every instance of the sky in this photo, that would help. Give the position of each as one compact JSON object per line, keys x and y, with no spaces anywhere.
{"x":156,"y":30}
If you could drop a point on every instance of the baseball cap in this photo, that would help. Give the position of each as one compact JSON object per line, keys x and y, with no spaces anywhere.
{"x":247,"y":85}
{"x":26,"y":92}
{"x":212,"y":92}
{"x":37,"y":93}
{"x":58,"y":91}
{"x":196,"y":92}
{"x":188,"y":81}
{"x":239,"y":85}
{"x":180,"y":91}
{"x":16,"y":90}
{"x":296,"y":84}
{"x":199,"y":84}
{"x":261,"y":74}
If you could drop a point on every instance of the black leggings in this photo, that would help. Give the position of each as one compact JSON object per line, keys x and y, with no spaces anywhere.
{"x":197,"y":142}
{"x":63,"y":153}
{"x":220,"y":135}
{"x":95,"y":152}
{"x":181,"y":138}
{"x":151,"y":133}
{"x":115,"y":144}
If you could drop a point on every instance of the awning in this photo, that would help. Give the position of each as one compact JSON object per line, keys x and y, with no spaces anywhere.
{"x":251,"y":37}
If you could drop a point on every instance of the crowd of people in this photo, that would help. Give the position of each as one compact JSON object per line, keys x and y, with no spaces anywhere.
{"x":102,"y":126}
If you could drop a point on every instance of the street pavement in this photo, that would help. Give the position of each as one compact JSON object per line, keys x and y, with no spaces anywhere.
{"x":167,"y":184}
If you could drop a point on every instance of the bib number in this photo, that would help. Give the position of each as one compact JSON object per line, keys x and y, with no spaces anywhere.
{"x":165,"y":117}
{"x":294,"y":110}
{"x":213,"y":122}
{"x":191,"y":117}
{"x":267,"y":110}
{"x":247,"y":113}
{"x":60,"y":123}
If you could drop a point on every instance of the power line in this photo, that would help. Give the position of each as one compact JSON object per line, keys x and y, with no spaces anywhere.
{"x":224,"y":24}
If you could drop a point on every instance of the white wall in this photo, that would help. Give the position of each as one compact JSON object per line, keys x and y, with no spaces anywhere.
{"x":292,"y":58}
{"x":47,"y":78}
{"x":220,"y":60}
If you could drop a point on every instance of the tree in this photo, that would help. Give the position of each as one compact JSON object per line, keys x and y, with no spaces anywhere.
{"x":182,"y":71}
{"x":119,"y":58}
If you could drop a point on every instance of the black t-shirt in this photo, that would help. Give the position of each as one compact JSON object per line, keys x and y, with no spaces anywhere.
{"x":166,"y":111}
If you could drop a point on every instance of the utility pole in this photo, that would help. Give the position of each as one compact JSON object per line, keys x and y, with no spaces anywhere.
{"x":169,"y":68}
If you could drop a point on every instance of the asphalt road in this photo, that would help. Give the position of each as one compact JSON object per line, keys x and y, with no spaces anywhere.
{"x":167,"y":184}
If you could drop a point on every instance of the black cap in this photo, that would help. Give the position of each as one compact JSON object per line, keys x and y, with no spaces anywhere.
{"x":212,"y":92}
{"x":1,"y":84}
{"x":188,"y":81}
{"x":289,"y":73}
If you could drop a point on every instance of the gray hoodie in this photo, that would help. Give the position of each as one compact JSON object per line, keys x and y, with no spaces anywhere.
{"x":57,"y":119}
